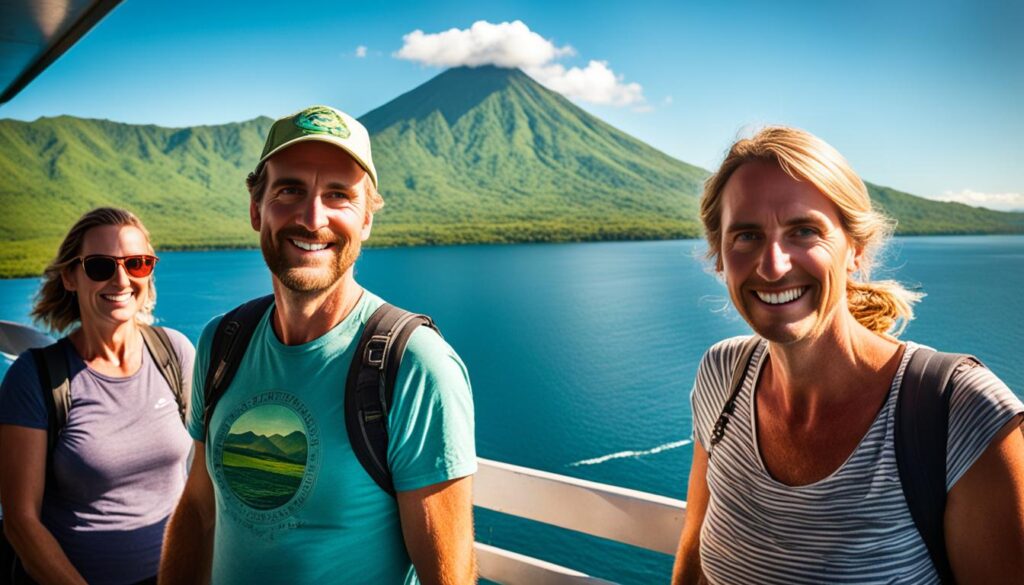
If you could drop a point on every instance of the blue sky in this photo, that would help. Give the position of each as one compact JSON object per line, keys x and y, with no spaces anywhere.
{"x":923,"y":97}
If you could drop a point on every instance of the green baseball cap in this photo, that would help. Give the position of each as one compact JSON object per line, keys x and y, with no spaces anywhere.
{"x":324,"y":124}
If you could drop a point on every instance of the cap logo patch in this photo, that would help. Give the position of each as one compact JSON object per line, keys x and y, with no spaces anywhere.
{"x":322,"y":120}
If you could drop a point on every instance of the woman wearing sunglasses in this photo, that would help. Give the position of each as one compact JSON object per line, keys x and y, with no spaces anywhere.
{"x":89,"y":505}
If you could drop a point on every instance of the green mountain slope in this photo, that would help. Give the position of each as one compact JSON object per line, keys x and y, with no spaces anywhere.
{"x":473,"y":155}
{"x":187,"y":184}
{"x":919,"y":216}
{"x":489,"y":154}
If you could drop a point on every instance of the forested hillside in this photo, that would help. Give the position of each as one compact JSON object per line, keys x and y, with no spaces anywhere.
{"x":471,"y":156}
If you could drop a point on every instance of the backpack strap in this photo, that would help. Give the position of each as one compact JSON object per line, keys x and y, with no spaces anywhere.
{"x":230,"y":341}
{"x":920,"y":434}
{"x":739,"y":372}
{"x":52,"y":366}
{"x":159,"y":345}
{"x":371,"y":383}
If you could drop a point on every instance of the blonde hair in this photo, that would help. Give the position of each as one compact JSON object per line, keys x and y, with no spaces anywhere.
{"x":55,"y":306}
{"x":884,"y":307}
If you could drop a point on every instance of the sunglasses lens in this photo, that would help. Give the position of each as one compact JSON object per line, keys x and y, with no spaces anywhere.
{"x":99,"y":268}
{"x":139,"y":266}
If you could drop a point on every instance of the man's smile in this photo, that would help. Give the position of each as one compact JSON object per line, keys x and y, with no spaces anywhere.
{"x":310,"y":246}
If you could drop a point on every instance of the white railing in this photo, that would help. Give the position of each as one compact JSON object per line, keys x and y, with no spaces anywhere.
{"x":507,"y":567}
{"x":623,"y":515}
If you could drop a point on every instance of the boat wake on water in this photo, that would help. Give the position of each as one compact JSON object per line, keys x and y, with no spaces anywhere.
{"x":625,"y":454}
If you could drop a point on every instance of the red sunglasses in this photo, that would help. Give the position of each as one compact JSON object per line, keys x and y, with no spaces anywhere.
{"x":100,"y":267}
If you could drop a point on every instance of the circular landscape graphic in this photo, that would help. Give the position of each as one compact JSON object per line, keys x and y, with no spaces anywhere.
{"x":264,"y":456}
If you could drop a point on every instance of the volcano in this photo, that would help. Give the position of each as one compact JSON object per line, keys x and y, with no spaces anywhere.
{"x":494,"y":155}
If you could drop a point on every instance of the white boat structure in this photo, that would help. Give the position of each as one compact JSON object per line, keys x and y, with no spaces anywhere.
{"x":623,"y":515}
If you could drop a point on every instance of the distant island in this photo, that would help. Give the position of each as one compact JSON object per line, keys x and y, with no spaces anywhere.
{"x":475,"y":155}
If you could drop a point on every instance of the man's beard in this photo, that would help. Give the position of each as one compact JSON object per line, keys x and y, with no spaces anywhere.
{"x":307,"y":279}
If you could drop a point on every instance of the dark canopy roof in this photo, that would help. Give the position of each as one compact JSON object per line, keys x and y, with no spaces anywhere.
{"x":34,"y":33}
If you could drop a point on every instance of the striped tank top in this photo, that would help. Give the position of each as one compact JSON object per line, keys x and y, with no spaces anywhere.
{"x":850,"y":527}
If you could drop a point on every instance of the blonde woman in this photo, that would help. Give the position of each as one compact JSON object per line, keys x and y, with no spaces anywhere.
{"x":794,"y":476}
{"x":88,"y":504}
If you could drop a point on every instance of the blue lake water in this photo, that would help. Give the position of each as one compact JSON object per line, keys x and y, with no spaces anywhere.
{"x":582,"y":355}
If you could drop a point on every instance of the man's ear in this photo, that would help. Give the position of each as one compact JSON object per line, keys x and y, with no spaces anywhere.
{"x":367,"y":225}
{"x":254,"y":214}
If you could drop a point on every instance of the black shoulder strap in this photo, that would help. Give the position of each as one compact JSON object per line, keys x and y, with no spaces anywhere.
{"x":160,"y":348}
{"x":920,"y":433}
{"x":735,"y":384}
{"x":371,"y":384}
{"x":52,"y":365}
{"x":230,"y":341}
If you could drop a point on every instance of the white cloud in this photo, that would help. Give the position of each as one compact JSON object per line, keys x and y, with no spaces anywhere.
{"x":997,"y":201}
{"x":513,"y":44}
{"x":361,"y":51}
{"x":667,"y":101}
{"x":507,"y":44}
{"x":596,"y":83}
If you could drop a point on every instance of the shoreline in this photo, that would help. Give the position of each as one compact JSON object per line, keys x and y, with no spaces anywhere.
{"x":554,"y":240}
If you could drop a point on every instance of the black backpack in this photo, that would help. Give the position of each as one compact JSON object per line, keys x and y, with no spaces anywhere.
{"x":52,"y":368}
{"x":369,"y":387}
{"x":920,"y":433}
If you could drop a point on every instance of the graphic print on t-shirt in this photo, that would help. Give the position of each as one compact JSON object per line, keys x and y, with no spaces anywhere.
{"x":266,"y":456}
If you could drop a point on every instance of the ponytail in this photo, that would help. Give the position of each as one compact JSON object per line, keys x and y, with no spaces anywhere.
{"x":884,"y":307}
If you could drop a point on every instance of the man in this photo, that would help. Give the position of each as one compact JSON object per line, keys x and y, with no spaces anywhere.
{"x":276,"y":493}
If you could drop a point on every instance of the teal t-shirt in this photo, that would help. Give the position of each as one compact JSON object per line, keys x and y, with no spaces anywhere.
{"x":294,"y":505}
